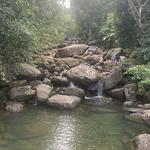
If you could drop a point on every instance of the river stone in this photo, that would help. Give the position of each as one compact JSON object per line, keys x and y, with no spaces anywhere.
{"x":72,"y":91}
{"x":27,"y":71}
{"x":72,"y":50}
{"x":146,"y":116}
{"x":83,"y":74}
{"x":22,"y":93}
{"x":42,"y":92}
{"x":114,"y":77}
{"x":64,"y":101}
{"x":142,"y":142}
{"x":14,"y":107}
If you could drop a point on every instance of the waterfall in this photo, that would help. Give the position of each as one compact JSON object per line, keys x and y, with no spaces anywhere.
{"x":97,"y":87}
{"x":71,"y":84}
{"x":100,"y":88}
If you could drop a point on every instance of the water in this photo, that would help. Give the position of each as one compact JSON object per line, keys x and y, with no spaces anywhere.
{"x":86,"y":128}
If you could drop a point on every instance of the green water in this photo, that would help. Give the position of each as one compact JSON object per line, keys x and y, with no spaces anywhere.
{"x":86,"y":128}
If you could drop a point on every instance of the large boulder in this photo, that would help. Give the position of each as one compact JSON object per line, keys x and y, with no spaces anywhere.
{"x":72,"y":91}
{"x":83,"y":74}
{"x":64,"y":101}
{"x":113,"y":78}
{"x":142,"y":142}
{"x":21,"y":93}
{"x":72,"y":50}
{"x":27,"y":71}
{"x":42,"y":92}
{"x":14,"y":107}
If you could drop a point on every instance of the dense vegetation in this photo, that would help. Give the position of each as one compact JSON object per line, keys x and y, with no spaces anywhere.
{"x":29,"y":25}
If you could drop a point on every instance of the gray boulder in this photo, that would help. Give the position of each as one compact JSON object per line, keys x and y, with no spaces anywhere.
{"x":22,"y":93}
{"x":27,"y":71}
{"x":142,"y":142}
{"x":115,"y":76}
{"x":83,"y":74}
{"x":72,"y":91}
{"x":64,"y":101}
{"x":42,"y":92}
{"x":72,"y":50}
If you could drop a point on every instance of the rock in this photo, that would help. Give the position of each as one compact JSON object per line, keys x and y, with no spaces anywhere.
{"x":59,"y":81}
{"x":115,"y":51}
{"x":35,"y":83}
{"x":72,"y":91}
{"x":64,"y":101}
{"x":26,"y":71}
{"x":114,"y":77}
{"x":72,"y":50}
{"x":98,"y":100}
{"x":14,"y":107}
{"x":42,"y":92}
{"x":147,"y":96}
{"x":130,"y":92}
{"x":47,"y":81}
{"x":147,"y":106}
{"x":18,"y":83}
{"x":146,"y":116}
{"x":71,"y":62}
{"x":93,"y":50}
{"x":83,"y":74}
{"x":22,"y":93}
{"x":117,"y":93}
{"x":128,"y":104}
{"x":93,"y":59}
{"x":142,"y":142}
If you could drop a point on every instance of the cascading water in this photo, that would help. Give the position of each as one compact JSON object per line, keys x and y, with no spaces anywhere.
{"x":100,"y":86}
{"x":71,"y":84}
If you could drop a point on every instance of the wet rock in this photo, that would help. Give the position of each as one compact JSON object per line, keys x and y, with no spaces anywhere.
{"x":14,"y":107}
{"x":22,"y":93}
{"x":72,"y":50}
{"x":98,"y":100}
{"x":113,"y":78}
{"x":64,"y":101}
{"x":27,"y":71}
{"x":117,"y":93}
{"x":142,"y":142}
{"x":128,"y":104}
{"x":83,"y":74}
{"x":59,"y":81}
{"x":72,"y":91}
{"x":147,"y":106}
{"x":42,"y":92}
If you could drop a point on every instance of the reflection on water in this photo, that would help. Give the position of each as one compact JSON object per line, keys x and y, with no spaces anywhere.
{"x":64,"y":134}
{"x":87,"y":128}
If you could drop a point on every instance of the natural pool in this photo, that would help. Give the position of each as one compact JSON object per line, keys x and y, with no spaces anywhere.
{"x":86,"y":128}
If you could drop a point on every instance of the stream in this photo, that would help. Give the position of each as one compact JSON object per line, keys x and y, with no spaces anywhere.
{"x":86,"y":128}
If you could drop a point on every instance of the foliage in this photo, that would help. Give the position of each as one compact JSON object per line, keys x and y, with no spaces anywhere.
{"x":26,"y":26}
{"x":108,"y":31}
{"x":140,"y":74}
